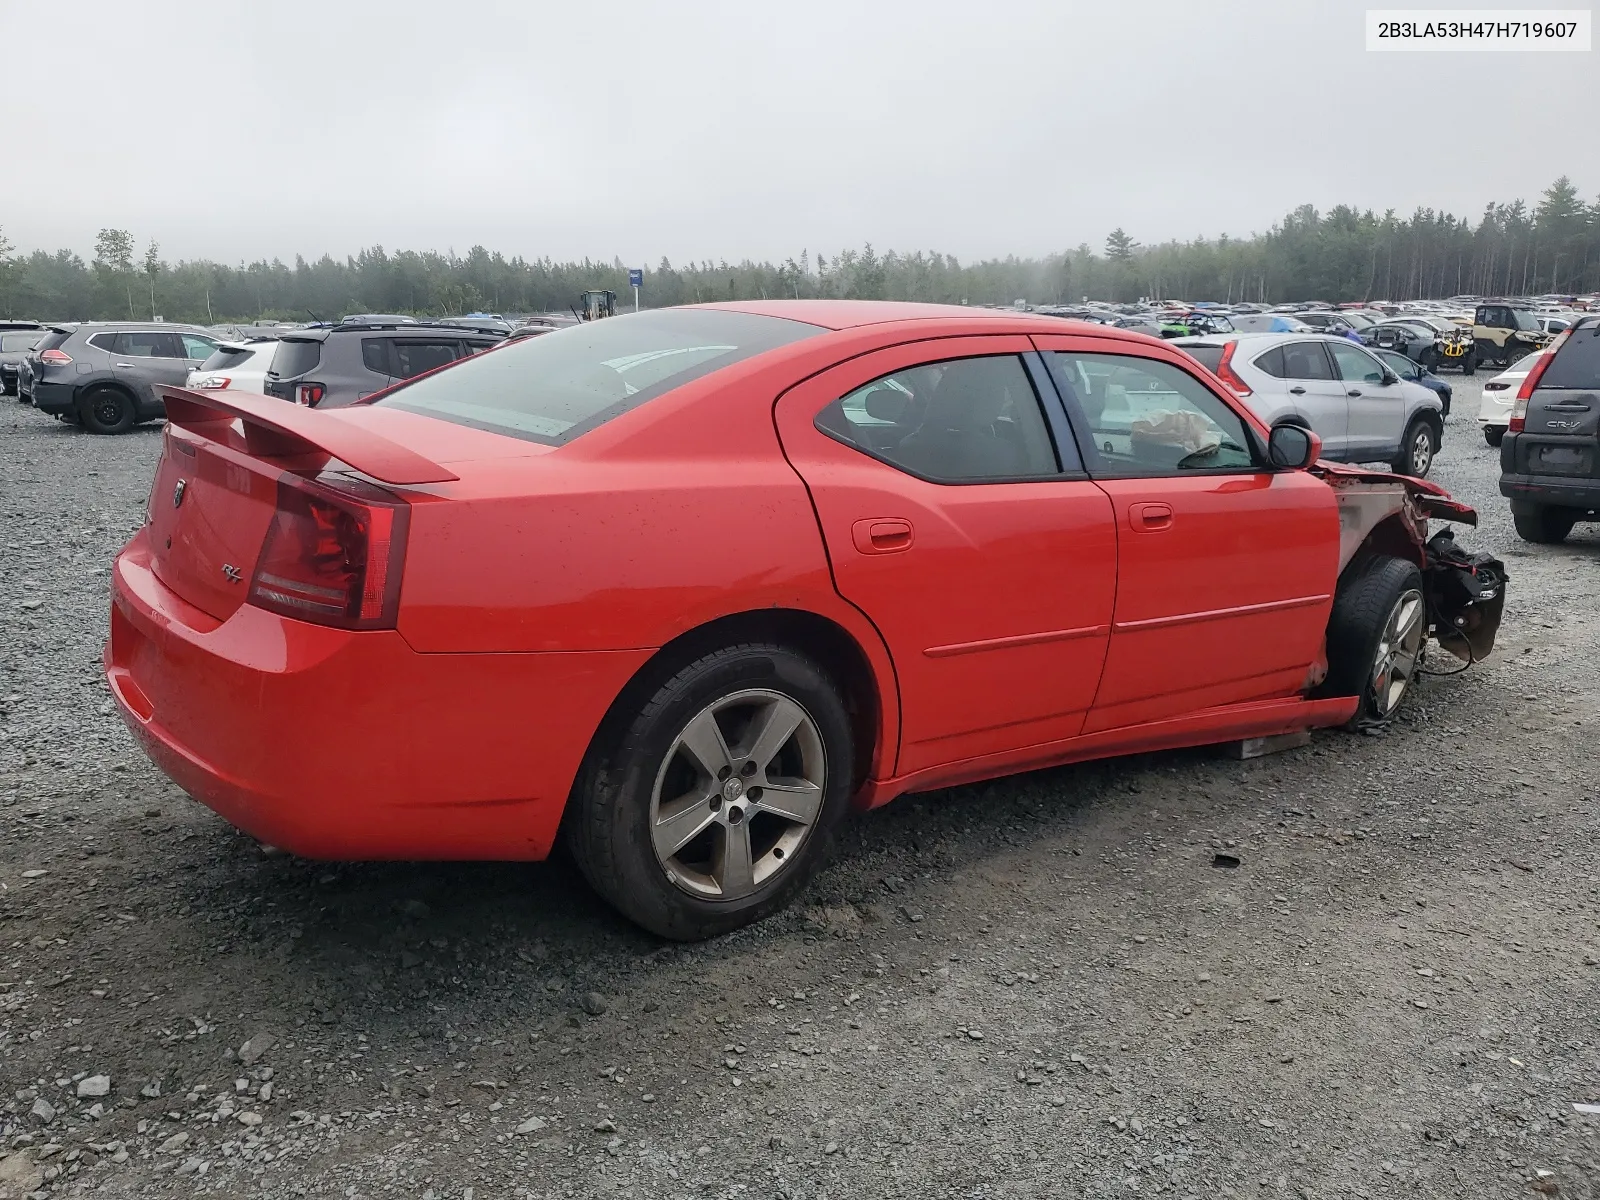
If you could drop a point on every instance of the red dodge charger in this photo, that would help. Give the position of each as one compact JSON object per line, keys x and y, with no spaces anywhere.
{"x":684,"y":586}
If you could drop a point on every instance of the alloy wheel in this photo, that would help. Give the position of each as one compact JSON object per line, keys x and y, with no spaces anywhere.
{"x":1399,"y":648}
{"x":1421,"y":451}
{"x":740,"y":788}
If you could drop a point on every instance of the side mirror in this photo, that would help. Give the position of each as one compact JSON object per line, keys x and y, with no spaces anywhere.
{"x":1390,"y":377}
{"x":1292,"y":447}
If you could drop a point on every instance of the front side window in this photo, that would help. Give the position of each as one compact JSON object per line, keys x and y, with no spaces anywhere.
{"x":1147,"y":417}
{"x":963,"y":420}
{"x":554,"y":388}
{"x":1356,"y":365}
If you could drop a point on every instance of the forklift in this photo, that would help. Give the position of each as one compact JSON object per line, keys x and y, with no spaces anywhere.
{"x":593,"y":305}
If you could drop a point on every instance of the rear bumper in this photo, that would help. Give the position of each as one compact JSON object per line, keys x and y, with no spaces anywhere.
{"x":1543,"y":491}
{"x":333,"y":744}
{"x":53,"y":397}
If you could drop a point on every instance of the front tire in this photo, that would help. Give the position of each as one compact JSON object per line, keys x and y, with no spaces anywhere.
{"x":107,"y":410}
{"x":1515,"y":352}
{"x":713,"y":803}
{"x":1417,"y":449}
{"x":1469,"y":363}
{"x":1544,"y":525}
{"x":1375,"y":637}
{"x":1494,"y":434}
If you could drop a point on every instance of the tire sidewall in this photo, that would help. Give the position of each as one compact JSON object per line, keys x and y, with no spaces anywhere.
{"x":91,"y":421}
{"x":1374,"y":590}
{"x":628,"y":769}
{"x":1408,"y":455}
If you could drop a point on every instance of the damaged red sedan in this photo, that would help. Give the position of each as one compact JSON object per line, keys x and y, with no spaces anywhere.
{"x":683,"y":587}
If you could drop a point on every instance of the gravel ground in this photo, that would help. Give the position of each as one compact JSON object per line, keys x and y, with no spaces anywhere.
{"x":1040,"y":986}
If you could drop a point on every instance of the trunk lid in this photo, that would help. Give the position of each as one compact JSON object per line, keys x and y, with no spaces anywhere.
{"x":216,"y":487}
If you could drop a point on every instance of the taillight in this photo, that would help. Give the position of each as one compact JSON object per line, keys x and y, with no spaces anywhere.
{"x":213,"y":383}
{"x":333,"y":554}
{"x":1519,"y":411}
{"x":308,"y":393}
{"x":55,"y":356}
{"x":1496,"y":387}
{"x":1227,"y":374}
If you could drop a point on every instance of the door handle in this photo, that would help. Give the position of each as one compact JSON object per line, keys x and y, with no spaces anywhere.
{"x":882,"y":535}
{"x":1353,"y":392}
{"x":1150,"y":517}
{"x":1567,"y":406}
{"x":1297,"y":391}
{"x":128,"y":365}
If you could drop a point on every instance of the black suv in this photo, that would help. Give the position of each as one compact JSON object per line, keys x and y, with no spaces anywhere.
{"x":1550,"y":457}
{"x":16,"y":339}
{"x":340,"y":364}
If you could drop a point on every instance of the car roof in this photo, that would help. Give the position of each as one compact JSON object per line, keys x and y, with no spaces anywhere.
{"x":1218,"y":339}
{"x":851,"y":314}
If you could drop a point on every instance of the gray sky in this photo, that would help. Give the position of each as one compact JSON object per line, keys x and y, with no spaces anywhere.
{"x":698,"y":129}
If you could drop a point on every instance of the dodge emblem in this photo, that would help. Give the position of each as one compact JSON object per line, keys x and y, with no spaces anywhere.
{"x":231,"y":572}
{"x":178,"y":490}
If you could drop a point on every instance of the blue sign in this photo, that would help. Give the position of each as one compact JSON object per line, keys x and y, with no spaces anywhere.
{"x":635,"y":278}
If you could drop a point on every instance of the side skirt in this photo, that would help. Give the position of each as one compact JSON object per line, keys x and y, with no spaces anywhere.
{"x":1260,"y":718}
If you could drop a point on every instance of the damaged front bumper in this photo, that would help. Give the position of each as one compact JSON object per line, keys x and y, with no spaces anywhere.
{"x":1382,"y":513}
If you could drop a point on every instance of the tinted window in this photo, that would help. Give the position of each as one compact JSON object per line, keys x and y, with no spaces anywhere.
{"x":375,"y":355}
{"x":413,"y":358}
{"x":1356,"y":366}
{"x":1577,"y":361}
{"x":1210,"y":357}
{"x":1272,"y":363}
{"x":104,"y":341}
{"x":198,"y":347}
{"x":295,"y":357}
{"x":52,"y":340}
{"x":1306,"y":360}
{"x":149,"y":344}
{"x":556,"y":387}
{"x":1149,"y":418}
{"x":957,"y":421}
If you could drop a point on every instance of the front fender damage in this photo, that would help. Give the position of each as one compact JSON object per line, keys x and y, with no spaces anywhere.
{"x":1382,"y":513}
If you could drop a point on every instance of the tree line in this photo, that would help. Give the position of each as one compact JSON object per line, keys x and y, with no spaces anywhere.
{"x":1340,"y":255}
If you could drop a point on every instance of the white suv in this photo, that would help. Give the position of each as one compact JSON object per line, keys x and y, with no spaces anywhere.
{"x":1363,"y":411}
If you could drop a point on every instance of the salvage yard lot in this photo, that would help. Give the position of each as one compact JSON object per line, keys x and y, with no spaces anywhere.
{"x":1039,"y":986}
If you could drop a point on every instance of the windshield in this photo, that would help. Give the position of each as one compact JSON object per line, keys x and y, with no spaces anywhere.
{"x":557,"y":386}
{"x":1523,"y":319}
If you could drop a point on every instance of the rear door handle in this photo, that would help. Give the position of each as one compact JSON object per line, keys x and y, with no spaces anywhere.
{"x":128,"y":365}
{"x":1353,"y":392}
{"x":1150,"y":517}
{"x":882,"y":535}
{"x":1297,"y":391}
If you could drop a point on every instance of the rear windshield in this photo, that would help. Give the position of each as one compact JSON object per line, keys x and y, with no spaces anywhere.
{"x":1210,"y":357}
{"x":553,"y":388}
{"x":226,"y":360}
{"x":52,"y":339}
{"x":1577,"y":362}
{"x":295,"y":357}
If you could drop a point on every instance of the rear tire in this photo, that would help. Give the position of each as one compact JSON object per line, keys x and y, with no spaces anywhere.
{"x":1375,"y":637}
{"x":1469,"y":363}
{"x":1544,"y":525}
{"x":1494,"y":434}
{"x":646,"y":782}
{"x":1515,"y":353}
{"x":1417,"y":449}
{"x":107,"y":410}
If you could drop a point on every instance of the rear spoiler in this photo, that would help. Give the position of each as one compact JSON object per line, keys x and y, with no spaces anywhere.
{"x":276,"y":428}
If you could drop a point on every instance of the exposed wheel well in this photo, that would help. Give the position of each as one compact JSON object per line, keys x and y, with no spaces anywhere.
{"x":1390,"y":537}
{"x":821,"y":639}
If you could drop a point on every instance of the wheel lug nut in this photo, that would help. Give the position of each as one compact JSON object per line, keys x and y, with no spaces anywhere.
{"x":724,"y":772}
{"x":735,"y":815}
{"x":754,"y":793}
{"x":748,"y":769}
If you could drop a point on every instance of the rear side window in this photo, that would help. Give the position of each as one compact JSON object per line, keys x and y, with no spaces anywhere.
{"x":375,"y":355}
{"x":104,"y":341}
{"x":1209,"y":357}
{"x":1271,"y":362}
{"x":1306,"y":360}
{"x":413,"y":358}
{"x":295,"y":357}
{"x":554,"y":388}
{"x":146,"y":344}
{"x":965,"y":420}
{"x":1577,"y":362}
